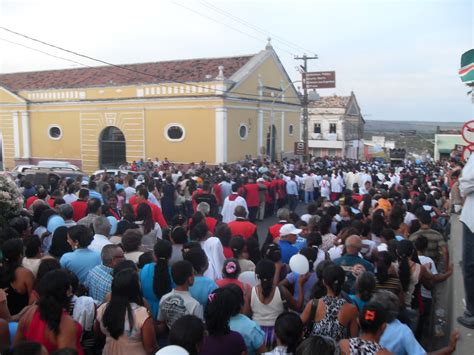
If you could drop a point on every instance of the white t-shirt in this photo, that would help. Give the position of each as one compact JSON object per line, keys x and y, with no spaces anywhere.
{"x":430,"y":265}
{"x":176,"y":304}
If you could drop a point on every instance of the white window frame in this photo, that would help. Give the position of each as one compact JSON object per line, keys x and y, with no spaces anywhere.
{"x":246,"y":132}
{"x":60,"y":130}
{"x":168,"y":126}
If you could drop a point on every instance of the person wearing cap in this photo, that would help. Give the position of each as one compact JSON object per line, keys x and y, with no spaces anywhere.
{"x":288,"y":234}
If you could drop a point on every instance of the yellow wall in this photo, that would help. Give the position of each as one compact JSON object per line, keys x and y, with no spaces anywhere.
{"x":68,"y":147}
{"x":237,"y":148}
{"x":6,"y":132}
{"x":270,"y":76}
{"x":7,"y":97}
{"x":198,"y":143}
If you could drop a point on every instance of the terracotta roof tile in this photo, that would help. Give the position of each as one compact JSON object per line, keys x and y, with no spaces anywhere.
{"x":189,"y":70}
{"x":330,"y":102}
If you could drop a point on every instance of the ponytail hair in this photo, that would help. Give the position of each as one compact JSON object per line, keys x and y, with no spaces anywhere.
{"x":405,"y":251}
{"x":265,"y":271}
{"x":162,"y":279}
{"x":289,"y":329}
{"x":334,"y":278}
{"x":372,"y":317}
{"x":365,"y":286}
{"x":383,"y":262}
{"x":53,"y":291}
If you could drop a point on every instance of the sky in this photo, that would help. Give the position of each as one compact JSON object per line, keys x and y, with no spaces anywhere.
{"x":400,"y":58}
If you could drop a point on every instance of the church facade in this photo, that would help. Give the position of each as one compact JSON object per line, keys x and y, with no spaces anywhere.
{"x":217,"y":110}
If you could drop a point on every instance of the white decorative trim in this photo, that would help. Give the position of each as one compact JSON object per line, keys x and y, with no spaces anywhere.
{"x":60,"y":130}
{"x":25,"y":123}
{"x":244,"y":138}
{"x":16,"y":134}
{"x":168,"y":126}
{"x":221,"y":135}
{"x":259,"y":132}
{"x":283,"y":131}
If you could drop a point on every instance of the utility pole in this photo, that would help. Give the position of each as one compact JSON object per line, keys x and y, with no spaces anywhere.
{"x":304,"y":68}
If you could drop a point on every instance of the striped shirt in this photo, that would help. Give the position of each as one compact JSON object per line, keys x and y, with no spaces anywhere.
{"x":99,"y":282}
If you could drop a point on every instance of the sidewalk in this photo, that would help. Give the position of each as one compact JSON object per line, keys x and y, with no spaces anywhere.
{"x":466,"y":339}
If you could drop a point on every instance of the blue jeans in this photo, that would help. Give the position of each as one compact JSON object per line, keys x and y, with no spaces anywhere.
{"x":308,"y":196}
{"x":468,"y":267}
{"x":292,"y":202}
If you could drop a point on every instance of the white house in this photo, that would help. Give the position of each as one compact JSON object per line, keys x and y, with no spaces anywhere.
{"x":336,"y":127}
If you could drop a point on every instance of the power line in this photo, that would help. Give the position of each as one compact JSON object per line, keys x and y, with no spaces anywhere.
{"x":54,"y":56}
{"x":224,"y":24}
{"x":254,"y":27}
{"x":121,"y":66}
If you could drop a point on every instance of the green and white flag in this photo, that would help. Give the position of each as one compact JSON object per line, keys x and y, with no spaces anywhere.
{"x":467,"y":67}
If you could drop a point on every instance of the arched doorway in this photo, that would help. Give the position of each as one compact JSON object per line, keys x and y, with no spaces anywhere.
{"x":112,"y":151}
{"x":271,"y":142}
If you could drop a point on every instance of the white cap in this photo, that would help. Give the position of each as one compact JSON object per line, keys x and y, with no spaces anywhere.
{"x":260,"y":180}
{"x":289,"y":229}
{"x":172,"y":350}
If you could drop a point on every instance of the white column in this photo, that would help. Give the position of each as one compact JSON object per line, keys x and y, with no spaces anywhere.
{"x":283,"y":132}
{"x":259,"y":132}
{"x":16,"y":134}
{"x":221,"y":135}
{"x":25,"y":123}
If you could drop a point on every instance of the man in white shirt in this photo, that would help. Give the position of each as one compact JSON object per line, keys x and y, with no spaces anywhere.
{"x":129,"y":184}
{"x":70,"y":197}
{"x":230,"y":203}
{"x":102,"y":228}
{"x":308,"y":183}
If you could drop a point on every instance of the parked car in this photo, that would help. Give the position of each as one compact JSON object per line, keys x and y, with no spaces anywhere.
{"x":42,"y":176}
{"x":112,"y":173}
{"x":19,"y":169}
{"x":57,"y":164}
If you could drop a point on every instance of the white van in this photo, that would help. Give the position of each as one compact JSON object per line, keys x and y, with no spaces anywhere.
{"x":56,"y":164}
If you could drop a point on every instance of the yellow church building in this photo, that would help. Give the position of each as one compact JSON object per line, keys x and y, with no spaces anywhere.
{"x":214,"y":109}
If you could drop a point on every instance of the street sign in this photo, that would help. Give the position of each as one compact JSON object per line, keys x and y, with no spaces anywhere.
{"x":319,"y":80}
{"x":300,"y":148}
{"x":467,"y":132}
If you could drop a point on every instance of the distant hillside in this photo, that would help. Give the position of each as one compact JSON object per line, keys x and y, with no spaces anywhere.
{"x":420,"y":126}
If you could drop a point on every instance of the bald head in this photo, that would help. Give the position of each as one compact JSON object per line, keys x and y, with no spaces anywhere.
{"x":353,"y":244}
{"x":240,"y":211}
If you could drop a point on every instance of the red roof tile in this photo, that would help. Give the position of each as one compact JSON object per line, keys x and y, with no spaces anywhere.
{"x":329,"y":102}
{"x":189,"y":70}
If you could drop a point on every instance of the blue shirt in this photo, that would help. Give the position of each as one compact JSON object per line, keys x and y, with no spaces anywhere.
{"x":252,"y":333}
{"x":292,"y":278}
{"x":287,"y":251}
{"x":80,"y":262}
{"x":347,"y":262}
{"x":99,"y":282}
{"x":291,"y":188}
{"x":146,"y":280}
{"x":399,"y":339}
{"x":201,"y":289}
{"x":300,"y":243}
{"x":95,"y":194}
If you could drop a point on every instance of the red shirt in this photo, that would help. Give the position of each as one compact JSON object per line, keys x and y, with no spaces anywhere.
{"x":243,"y":227}
{"x":51,"y":202}
{"x":279,"y":187}
{"x":79,"y":207}
{"x":268,"y":194}
{"x":218,"y":194}
{"x":357,"y":197}
{"x":275,"y":229}
{"x":224,"y":282}
{"x":30,"y":201}
{"x":211,"y":223}
{"x":251,"y":196}
{"x":228,"y":253}
{"x":155,"y":212}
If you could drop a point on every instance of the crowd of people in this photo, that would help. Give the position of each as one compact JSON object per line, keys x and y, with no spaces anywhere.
{"x":170,"y":261}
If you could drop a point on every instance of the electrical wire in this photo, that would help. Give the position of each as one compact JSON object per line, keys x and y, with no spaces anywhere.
{"x":121,"y":66}
{"x":254,"y":27}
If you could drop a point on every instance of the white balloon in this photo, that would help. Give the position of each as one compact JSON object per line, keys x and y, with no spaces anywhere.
{"x":299,"y":264}
{"x":249,"y":277}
